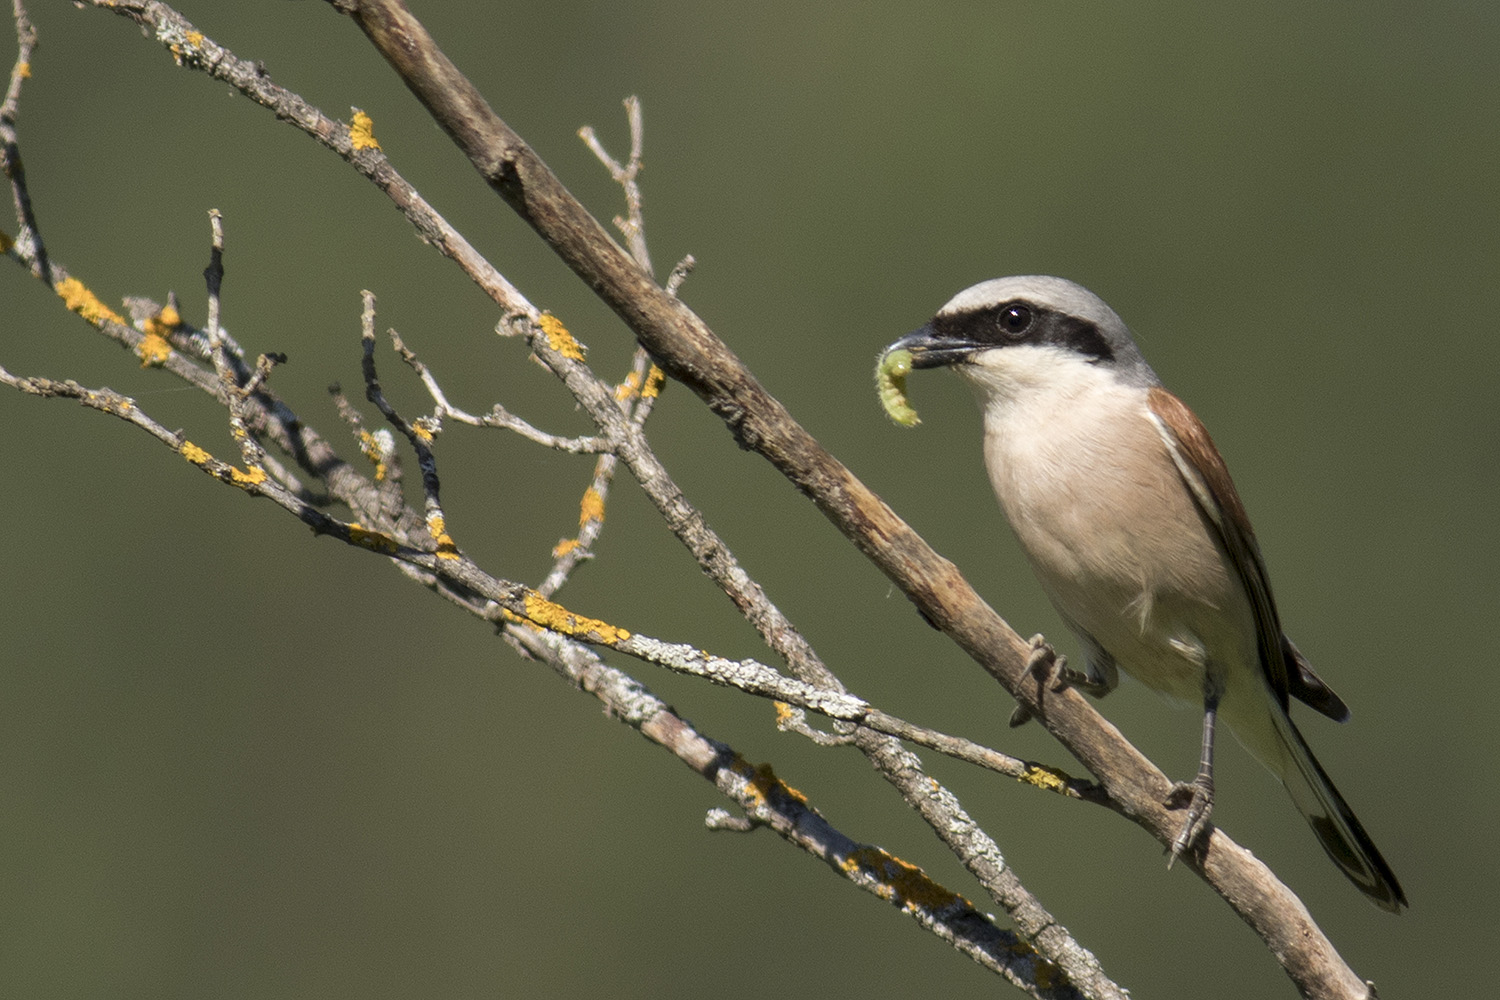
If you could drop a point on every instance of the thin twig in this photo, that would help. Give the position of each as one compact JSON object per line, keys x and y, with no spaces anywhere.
{"x":226,"y":364}
{"x":28,"y":245}
{"x":632,"y":226}
{"x":498,"y":416}
{"x":419,"y":434}
{"x":637,"y":393}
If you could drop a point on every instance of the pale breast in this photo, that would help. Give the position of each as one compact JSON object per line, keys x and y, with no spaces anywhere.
{"x":1113,"y":534}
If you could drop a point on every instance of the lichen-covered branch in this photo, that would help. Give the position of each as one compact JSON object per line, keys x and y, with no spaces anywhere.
{"x":417,"y":542}
{"x":768,"y":801}
{"x":690,"y":352}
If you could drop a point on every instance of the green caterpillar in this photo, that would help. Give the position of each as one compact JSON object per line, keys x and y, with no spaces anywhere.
{"x":890,"y":384}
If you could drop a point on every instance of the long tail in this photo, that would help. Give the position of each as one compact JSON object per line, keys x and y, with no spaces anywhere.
{"x":1338,"y":830}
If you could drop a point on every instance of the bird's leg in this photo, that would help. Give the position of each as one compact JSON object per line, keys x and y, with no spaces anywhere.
{"x":1050,"y":670}
{"x":1197,"y":796}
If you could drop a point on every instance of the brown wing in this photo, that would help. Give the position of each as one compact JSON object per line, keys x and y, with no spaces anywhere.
{"x":1337,"y":828}
{"x":1203,"y":470}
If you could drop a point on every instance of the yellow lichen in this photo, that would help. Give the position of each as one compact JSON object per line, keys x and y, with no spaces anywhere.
{"x":763,"y":785}
{"x":629,"y":387}
{"x":1043,"y":777}
{"x":77,"y":297}
{"x":23,"y":70}
{"x":655,"y":379}
{"x":558,"y":337}
{"x":375,"y":541}
{"x":563,"y":547}
{"x":648,"y":387}
{"x":902,"y":882}
{"x":423,"y":432}
{"x":194,"y":454}
{"x":153,"y":350}
{"x":243,"y":478}
{"x":753,"y":790}
{"x":557,"y":618}
{"x":437,"y":528}
{"x":194,"y":38}
{"x":362,"y":132}
{"x":373,"y":449}
{"x":592,"y":507}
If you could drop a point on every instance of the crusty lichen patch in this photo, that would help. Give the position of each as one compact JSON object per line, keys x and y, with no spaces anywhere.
{"x":557,"y":618}
{"x":558,"y":337}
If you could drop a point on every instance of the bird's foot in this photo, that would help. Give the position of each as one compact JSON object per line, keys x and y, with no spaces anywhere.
{"x":1197,"y":797}
{"x":1050,"y":670}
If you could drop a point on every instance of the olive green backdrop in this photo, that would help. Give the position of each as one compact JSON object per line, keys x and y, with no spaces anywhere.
{"x":239,"y":761}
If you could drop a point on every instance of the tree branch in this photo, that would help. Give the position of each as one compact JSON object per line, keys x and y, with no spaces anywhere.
{"x":690,"y":352}
{"x":419,"y":545}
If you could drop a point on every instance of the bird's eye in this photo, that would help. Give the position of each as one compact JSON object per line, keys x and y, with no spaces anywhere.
{"x":1014,"y":319}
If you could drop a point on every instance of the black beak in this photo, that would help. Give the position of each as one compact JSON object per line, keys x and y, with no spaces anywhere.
{"x":930,"y":349}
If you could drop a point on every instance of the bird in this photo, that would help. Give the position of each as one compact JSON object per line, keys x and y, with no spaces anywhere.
{"x":1127,"y":514}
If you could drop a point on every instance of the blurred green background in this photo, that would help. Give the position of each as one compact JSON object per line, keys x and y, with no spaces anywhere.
{"x":242,"y":762}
